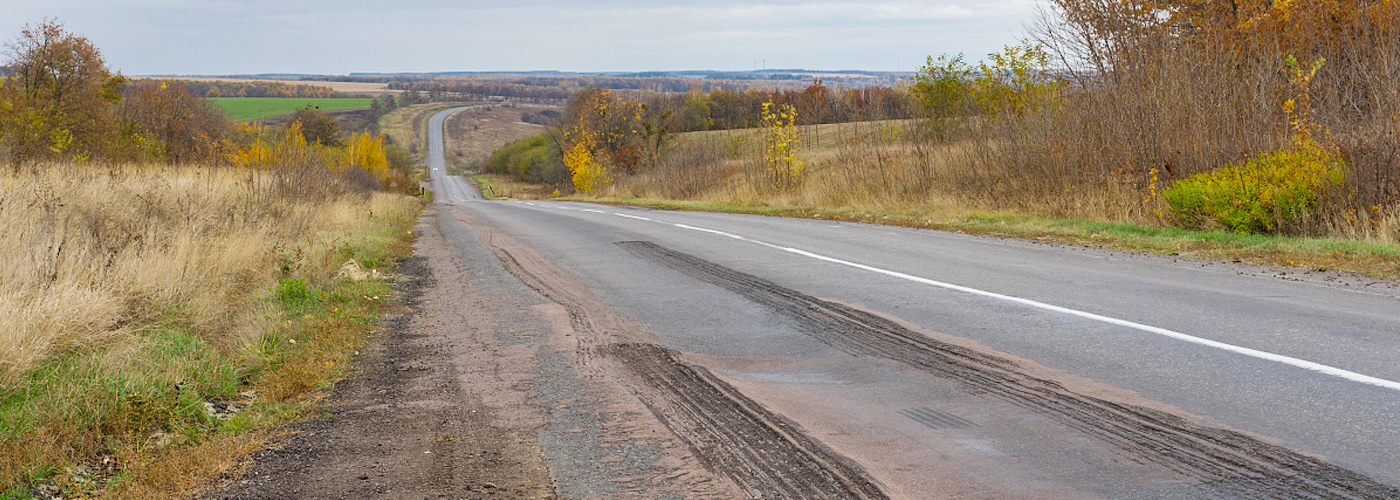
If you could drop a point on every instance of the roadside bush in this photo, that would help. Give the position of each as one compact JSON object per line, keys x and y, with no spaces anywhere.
{"x":532,"y":159}
{"x":292,"y":292}
{"x":1263,"y":195}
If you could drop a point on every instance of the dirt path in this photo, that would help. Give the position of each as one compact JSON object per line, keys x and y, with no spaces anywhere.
{"x":436,"y":408}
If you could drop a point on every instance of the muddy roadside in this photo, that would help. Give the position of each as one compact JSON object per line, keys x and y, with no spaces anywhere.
{"x":434,"y":408}
{"x":505,"y":378}
{"x":475,"y":391}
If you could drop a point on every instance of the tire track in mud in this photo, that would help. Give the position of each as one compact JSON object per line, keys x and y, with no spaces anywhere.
{"x":764,"y":454}
{"x":1226,"y":462}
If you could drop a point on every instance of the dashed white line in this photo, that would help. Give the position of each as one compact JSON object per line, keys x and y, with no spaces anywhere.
{"x":1254,"y":353}
{"x":721,"y":233}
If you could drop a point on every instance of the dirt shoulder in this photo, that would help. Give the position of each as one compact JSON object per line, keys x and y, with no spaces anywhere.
{"x":505,"y":377}
{"x":434,"y":409}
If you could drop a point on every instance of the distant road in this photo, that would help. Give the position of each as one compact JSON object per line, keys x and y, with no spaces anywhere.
{"x":447,"y":188}
{"x":953,"y":365}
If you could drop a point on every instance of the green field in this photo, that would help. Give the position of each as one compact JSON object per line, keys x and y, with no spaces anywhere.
{"x":247,"y":109}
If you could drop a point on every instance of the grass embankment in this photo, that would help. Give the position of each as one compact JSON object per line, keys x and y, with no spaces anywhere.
{"x":880,"y":172}
{"x":473,"y":134}
{"x":1327,"y":254}
{"x":408,"y":126}
{"x":246,"y":109}
{"x":134,"y":299}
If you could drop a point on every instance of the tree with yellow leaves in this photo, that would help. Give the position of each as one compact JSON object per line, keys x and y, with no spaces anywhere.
{"x":780,"y":145}
{"x":588,"y":173}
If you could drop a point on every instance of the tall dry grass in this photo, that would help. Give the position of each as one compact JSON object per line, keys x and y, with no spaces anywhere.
{"x":1164,"y":94}
{"x":1148,"y":96}
{"x":879,"y":166}
{"x":91,"y":256}
{"x":129,"y":295}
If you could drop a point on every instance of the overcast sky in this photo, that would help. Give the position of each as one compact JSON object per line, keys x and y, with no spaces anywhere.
{"x":216,"y":37}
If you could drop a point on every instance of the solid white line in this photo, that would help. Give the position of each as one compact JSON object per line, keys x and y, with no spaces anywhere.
{"x":721,"y":233}
{"x":1268,"y":356}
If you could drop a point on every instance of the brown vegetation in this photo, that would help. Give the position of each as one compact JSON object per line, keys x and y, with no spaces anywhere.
{"x":1104,"y":110}
{"x":134,"y":294}
{"x":59,"y":101}
{"x":191,"y":129}
{"x":472,"y":135}
{"x":162,"y":270}
{"x":218,"y":87}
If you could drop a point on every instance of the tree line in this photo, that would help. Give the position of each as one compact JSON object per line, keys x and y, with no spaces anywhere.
{"x":59,"y":102}
{"x":257,"y":89}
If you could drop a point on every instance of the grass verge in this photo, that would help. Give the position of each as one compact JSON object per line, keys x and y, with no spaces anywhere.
{"x":167,"y":320}
{"x":1326,"y":254}
{"x":503,"y":187}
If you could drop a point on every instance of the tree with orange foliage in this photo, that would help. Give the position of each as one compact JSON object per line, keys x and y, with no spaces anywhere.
{"x":190,"y":127}
{"x":59,"y":101}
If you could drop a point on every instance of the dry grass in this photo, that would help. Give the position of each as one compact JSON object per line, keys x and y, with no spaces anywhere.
{"x":885,"y":172}
{"x":131,"y":295}
{"x":505,"y":187}
{"x":473,"y":134}
{"x":868,"y":166}
{"x":408,"y":126}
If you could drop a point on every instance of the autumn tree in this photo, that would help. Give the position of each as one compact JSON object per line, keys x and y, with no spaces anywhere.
{"x":59,"y":100}
{"x":317,"y":127}
{"x":781,"y":143}
{"x":190,"y":127}
{"x":612,"y":125}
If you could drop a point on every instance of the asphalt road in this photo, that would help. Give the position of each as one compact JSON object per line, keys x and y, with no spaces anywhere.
{"x":446,"y":187}
{"x":1131,"y":372}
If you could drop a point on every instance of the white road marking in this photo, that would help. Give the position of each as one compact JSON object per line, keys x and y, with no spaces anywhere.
{"x":721,"y":233}
{"x":1254,"y":353}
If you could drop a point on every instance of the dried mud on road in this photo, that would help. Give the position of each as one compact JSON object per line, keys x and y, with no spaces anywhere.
{"x":434,"y":410}
{"x":485,"y":389}
{"x":762,"y":453}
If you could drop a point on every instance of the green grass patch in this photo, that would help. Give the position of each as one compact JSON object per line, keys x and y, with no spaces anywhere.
{"x":488,"y":190}
{"x":257,"y":108}
{"x":129,"y":420}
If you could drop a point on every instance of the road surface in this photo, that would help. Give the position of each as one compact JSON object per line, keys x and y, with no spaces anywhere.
{"x":446,"y":186}
{"x":926,"y":364}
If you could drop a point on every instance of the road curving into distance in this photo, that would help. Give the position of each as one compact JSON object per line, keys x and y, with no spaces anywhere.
{"x":879,"y":361}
